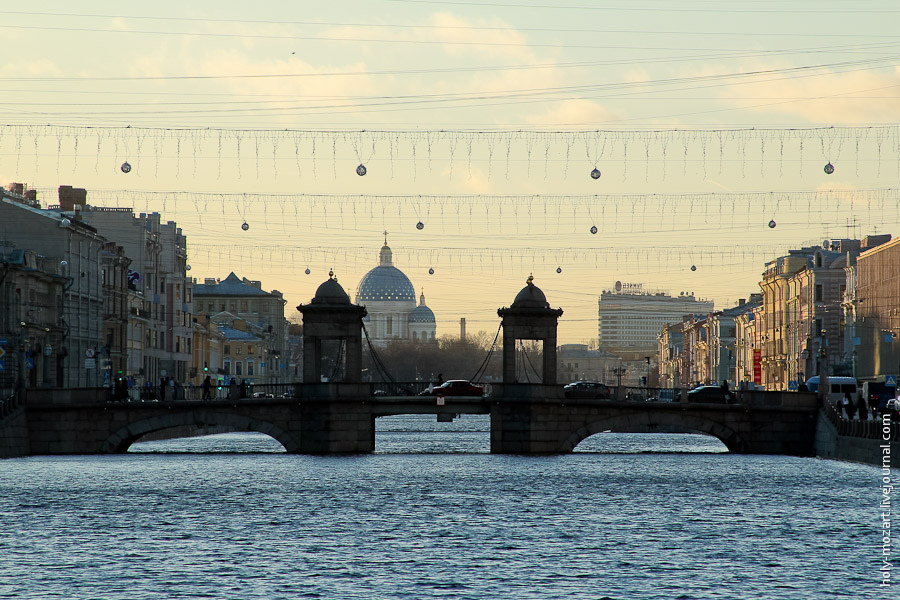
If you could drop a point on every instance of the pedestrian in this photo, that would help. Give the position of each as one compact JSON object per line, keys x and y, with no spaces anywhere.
{"x":849,"y":406}
{"x":863,"y":408}
{"x":243,"y":388}
{"x":233,"y":391}
{"x":440,"y":379}
{"x":844,"y":406}
{"x":726,"y":392}
{"x":207,"y":388}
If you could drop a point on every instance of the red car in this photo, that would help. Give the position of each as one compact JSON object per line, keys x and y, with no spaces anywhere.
{"x":455,"y":387}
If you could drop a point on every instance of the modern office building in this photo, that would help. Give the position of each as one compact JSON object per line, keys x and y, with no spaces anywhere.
{"x":630,"y":318}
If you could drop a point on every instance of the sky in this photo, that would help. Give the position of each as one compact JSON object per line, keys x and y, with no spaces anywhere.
{"x":710,"y":124}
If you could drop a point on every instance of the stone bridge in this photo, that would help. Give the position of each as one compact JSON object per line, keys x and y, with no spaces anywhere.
{"x":340,"y":418}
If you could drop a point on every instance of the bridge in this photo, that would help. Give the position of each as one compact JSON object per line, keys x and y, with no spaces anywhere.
{"x":319,"y":418}
{"x":340,"y":418}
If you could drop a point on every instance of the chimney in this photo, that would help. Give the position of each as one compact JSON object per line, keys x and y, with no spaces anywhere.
{"x":462,"y":328}
{"x":69,"y":197}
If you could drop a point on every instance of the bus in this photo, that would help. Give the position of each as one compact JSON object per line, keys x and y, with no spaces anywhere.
{"x":839,"y":387}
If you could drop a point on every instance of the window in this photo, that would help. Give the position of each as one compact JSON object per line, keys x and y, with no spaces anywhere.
{"x":819,"y":293}
{"x":250,"y":368}
{"x":211,"y":307}
{"x":228,"y":349}
{"x":237,"y":350}
{"x":250,"y":348}
{"x":243,"y":306}
{"x":390,"y":325}
{"x":237,"y":368}
{"x":226,"y":366}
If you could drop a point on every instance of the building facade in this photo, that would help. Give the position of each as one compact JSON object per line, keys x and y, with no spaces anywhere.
{"x":390,"y":301}
{"x":630,"y":318}
{"x":262,"y":311}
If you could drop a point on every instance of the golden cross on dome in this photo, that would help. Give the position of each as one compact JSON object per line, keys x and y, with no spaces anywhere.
{"x":385,"y":237}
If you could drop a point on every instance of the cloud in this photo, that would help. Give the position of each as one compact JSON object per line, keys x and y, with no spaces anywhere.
{"x":828,"y":97}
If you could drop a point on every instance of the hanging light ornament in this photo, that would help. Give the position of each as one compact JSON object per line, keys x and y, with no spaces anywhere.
{"x":772,"y":224}
{"x":245,"y":226}
{"x":431,"y":271}
{"x":126,"y":168}
{"x":829,"y":169}
{"x":420,"y":225}
{"x":187,"y":267}
{"x":559,"y":269}
{"x":593,"y":229}
{"x":595,"y":173}
{"x":307,"y":270}
{"x":361,"y":169}
{"x":693,"y":267}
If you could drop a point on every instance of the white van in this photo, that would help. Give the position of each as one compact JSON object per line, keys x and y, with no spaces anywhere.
{"x":839,"y":386}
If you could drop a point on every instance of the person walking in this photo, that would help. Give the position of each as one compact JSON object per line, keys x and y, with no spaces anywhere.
{"x":243,"y":388}
{"x":844,"y":407}
{"x":206,"y":386}
{"x":849,"y":406}
{"x":863,"y":408}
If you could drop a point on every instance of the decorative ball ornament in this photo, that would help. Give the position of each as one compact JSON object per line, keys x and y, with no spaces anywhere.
{"x":559,"y":269}
{"x":829,"y":169}
{"x":593,"y":229}
{"x":187,"y":267}
{"x":431,"y":271}
{"x":772,"y":224}
{"x":693,"y":267}
{"x":307,"y":270}
{"x":595,"y":173}
{"x":420,"y":225}
{"x":245,"y":226}
{"x":126,"y":168}
{"x":361,"y":170}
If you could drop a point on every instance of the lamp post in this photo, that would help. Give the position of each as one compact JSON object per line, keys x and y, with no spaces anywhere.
{"x":48,"y":352}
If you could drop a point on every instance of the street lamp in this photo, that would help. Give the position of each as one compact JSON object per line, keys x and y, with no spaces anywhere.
{"x":48,"y":352}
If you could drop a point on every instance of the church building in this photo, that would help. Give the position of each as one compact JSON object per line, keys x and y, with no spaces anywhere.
{"x":390,"y":300}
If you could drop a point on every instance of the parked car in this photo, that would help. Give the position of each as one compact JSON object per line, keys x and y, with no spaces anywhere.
{"x":587,"y":389}
{"x":710,"y":393}
{"x":455,"y":387}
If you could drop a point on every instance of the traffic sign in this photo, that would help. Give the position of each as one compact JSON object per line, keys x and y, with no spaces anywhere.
{"x":90,"y":363}
{"x":90,"y":353}
{"x":29,"y":363}
{"x":890,"y":380}
{"x":3,"y":341}
{"x":2,"y":365}
{"x":792,"y":385}
{"x":2,"y":351}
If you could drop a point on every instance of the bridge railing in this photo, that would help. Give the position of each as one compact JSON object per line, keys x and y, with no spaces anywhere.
{"x":870,"y":428}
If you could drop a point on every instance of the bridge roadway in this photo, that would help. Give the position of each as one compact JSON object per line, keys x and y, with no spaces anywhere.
{"x":340,"y":418}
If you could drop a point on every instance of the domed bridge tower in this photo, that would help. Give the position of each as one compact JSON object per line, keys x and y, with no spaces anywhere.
{"x":331,"y":316}
{"x":529,"y":318}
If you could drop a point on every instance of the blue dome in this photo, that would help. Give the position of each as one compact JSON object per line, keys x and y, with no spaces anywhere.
{"x":385,"y":283}
{"x":421,"y":314}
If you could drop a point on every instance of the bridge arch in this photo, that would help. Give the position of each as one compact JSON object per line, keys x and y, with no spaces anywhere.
{"x":119,"y":441}
{"x":657,"y":422}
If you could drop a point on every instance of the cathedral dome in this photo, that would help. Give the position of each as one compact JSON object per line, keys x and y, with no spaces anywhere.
{"x":385,"y":282}
{"x":421,"y":314}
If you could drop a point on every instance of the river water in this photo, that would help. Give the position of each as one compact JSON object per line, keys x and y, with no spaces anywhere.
{"x":433,"y":515}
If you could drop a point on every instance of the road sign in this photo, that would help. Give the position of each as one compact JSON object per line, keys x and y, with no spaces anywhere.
{"x":792,"y":385}
{"x":90,"y":363}
{"x":90,"y":353}
{"x":2,"y":365}
{"x":890,"y":380}
{"x":29,"y":363}
{"x":2,"y":351}
{"x":3,"y":341}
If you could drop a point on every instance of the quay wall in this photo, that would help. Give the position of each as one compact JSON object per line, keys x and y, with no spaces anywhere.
{"x":856,"y":441}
